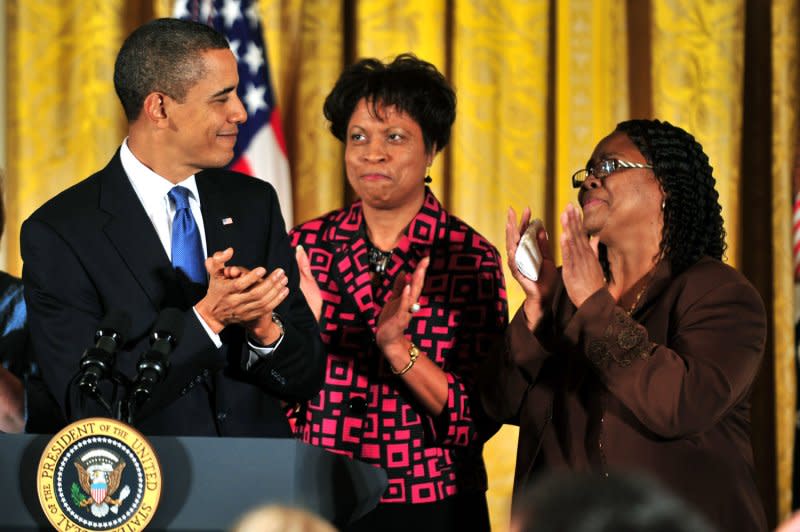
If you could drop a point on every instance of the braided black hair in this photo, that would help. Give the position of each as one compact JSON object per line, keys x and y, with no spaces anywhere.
{"x":692,"y":213}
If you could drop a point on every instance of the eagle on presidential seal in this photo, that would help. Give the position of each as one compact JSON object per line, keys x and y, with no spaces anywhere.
{"x":100,"y":474}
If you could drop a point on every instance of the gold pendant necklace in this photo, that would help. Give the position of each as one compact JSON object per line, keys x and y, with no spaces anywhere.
{"x":638,"y":297}
{"x":641,"y":292}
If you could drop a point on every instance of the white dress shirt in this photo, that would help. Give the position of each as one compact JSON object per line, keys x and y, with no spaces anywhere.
{"x":152,"y":190}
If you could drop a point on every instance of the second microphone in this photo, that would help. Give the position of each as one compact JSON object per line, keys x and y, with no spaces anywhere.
{"x":153,"y":365}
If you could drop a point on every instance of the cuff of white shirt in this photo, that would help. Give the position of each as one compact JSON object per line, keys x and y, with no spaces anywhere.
{"x":211,"y":334}
{"x":257,"y":351}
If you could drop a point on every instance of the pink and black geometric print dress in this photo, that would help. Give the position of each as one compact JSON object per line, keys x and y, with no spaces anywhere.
{"x":363,"y":410}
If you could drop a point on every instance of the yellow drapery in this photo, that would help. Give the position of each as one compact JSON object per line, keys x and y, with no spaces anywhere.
{"x":697,"y":84}
{"x":591,"y":86}
{"x":305,"y":41}
{"x":63,"y":118}
{"x":498,"y":154}
{"x":785,"y":142}
{"x":539,"y":83}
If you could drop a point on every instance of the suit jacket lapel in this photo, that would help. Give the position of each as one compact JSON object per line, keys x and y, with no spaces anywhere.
{"x":131,"y":232}
{"x":419,"y":237}
{"x":351,"y":266}
{"x":352,"y":263}
{"x":218,"y":219}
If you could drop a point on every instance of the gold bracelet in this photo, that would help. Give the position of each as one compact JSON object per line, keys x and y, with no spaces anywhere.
{"x":413,"y":353}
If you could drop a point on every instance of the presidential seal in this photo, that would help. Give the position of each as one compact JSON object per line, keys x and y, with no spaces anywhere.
{"x":99,"y":474}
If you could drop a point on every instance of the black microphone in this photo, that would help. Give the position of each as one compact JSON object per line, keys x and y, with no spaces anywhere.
{"x":154,"y":364}
{"x":97,"y":362}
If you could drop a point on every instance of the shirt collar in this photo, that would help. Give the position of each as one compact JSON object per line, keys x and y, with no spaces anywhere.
{"x":150,"y":187}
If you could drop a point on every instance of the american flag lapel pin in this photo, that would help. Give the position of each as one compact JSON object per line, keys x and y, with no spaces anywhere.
{"x":227,"y":221}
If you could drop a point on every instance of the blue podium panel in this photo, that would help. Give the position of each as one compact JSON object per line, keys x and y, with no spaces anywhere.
{"x":207,"y":483}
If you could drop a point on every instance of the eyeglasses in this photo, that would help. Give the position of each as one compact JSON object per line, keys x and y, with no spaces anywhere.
{"x":602,"y":169}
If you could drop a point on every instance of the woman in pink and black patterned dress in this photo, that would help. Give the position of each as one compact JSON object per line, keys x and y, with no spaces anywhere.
{"x":409,"y":298}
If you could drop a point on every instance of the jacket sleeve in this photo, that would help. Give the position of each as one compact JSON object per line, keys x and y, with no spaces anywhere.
{"x":463,"y":421}
{"x":296,"y":369}
{"x":514,"y":364}
{"x":706,"y":367}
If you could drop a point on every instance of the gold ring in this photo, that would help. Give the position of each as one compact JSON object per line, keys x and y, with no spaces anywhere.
{"x":414,"y":308}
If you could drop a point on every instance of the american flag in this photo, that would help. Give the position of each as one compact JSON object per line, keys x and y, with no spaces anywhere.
{"x":260,"y":149}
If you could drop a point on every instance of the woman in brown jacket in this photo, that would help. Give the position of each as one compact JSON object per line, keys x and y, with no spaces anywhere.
{"x":640,"y":352}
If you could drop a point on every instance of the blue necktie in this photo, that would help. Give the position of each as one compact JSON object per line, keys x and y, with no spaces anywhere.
{"x":187,"y":248}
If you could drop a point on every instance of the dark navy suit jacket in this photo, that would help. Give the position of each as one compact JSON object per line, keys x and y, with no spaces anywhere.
{"x":92,"y":249}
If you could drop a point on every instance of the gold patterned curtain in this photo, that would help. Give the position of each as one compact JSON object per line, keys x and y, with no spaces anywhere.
{"x":498,"y":156}
{"x":539,"y":83}
{"x":698,"y":75}
{"x":63,"y":121}
{"x":784,"y":160}
{"x":591,"y":87}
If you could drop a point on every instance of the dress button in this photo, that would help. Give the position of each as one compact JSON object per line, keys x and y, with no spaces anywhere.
{"x":357,"y":405}
{"x":221,"y":416}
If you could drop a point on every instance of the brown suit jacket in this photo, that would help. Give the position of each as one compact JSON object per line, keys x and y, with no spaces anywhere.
{"x":664,"y":391}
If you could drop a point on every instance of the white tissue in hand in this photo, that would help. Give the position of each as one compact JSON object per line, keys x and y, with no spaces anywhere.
{"x":528,"y":255}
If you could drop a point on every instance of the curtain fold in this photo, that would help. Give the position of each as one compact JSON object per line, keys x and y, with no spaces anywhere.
{"x":698,"y":55}
{"x":305,"y":41}
{"x":591,"y":87}
{"x":786,"y":151}
{"x":499,"y":151}
{"x":64,"y":120}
